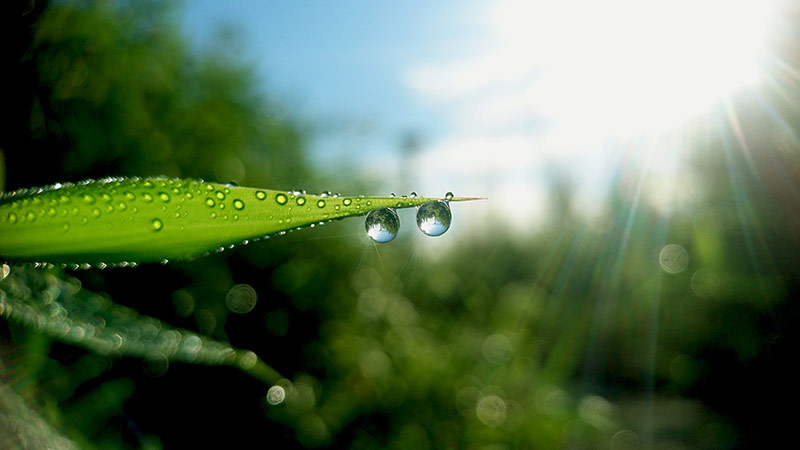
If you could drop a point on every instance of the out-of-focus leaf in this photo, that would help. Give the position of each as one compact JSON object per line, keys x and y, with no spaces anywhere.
{"x":63,"y":310}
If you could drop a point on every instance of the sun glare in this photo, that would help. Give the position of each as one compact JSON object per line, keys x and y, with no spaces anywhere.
{"x":630,"y":66}
{"x":617,"y":67}
{"x":561,"y":84}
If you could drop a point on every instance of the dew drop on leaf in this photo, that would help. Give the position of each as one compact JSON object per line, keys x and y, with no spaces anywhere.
{"x":261,"y":195}
{"x":382,"y":225}
{"x":157,"y":224}
{"x":210,"y":202}
{"x":301,"y":201}
{"x":347,"y":202}
{"x":448,"y":196}
{"x":164,"y":197}
{"x":434,"y":218}
{"x":147,"y":197}
{"x":281,"y":199}
{"x":238,"y":204}
{"x":321,"y":203}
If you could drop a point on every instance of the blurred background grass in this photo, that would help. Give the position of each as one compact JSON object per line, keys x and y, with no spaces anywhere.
{"x":664,"y":319}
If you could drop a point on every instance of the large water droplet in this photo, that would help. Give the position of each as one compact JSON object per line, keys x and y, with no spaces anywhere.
{"x":301,"y":201}
{"x":238,"y":204}
{"x":382,"y":225}
{"x":261,"y":195}
{"x":448,"y":196}
{"x":157,"y":224}
{"x":210,"y":202}
{"x":434,"y":218}
{"x":320,"y":203}
{"x":147,"y":197}
{"x":163,"y":196}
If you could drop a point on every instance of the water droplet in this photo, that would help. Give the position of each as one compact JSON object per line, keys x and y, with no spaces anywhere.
{"x":147,"y":197}
{"x":301,"y":201}
{"x":164,"y":197}
{"x":210,"y":202}
{"x":220,"y":195}
{"x":30,"y":216}
{"x":238,"y":204}
{"x":88,"y":199}
{"x":12,"y":217}
{"x":109,"y":208}
{"x":122,"y":206}
{"x":382,"y":225}
{"x":413,"y":195}
{"x":96,"y":212}
{"x":157,"y":224}
{"x":63,"y":199}
{"x":448,"y":196}
{"x":261,"y":195}
{"x":320,"y":203}
{"x":130,"y":196}
{"x":281,"y":199}
{"x":434,"y":218}
{"x":51,"y":212}
{"x":188,"y":195}
{"x":347,"y":202}
{"x":65,"y":227}
{"x":106,"y":197}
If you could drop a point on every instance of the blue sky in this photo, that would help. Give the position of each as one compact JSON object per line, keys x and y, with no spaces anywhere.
{"x":343,"y":60}
{"x":503,"y":93}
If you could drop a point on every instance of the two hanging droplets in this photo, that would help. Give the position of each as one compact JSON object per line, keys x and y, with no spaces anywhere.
{"x":433,"y":219}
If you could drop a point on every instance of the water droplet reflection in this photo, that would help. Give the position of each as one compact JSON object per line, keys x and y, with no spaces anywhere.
{"x":434,"y":218}
{"x":382,"y":225}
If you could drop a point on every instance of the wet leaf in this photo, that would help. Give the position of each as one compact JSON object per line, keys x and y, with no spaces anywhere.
{"x":124,"y":221}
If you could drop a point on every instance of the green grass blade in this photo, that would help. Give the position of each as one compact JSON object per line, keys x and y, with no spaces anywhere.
{"x":117,"y":221}
{"x":55,"y":306}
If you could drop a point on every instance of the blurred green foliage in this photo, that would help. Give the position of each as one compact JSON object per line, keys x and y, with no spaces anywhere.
{"x":584,"y":335}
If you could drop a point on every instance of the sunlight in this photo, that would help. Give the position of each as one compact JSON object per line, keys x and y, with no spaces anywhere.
{"x":571,"y":84}
{"x":631,"y":66}
{"x":615,"y":68}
